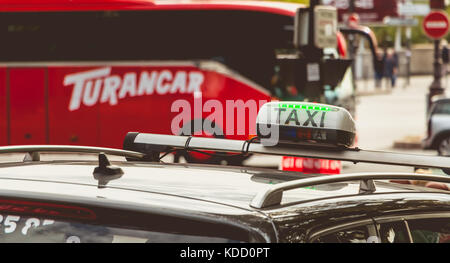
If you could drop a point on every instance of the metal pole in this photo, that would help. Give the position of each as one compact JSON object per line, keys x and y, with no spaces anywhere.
{"x":351,"y":8}
{"x":408,"y":56}
{"x":352,"y":46}
{"x":312,"y":56}
{"x":436,"y":86}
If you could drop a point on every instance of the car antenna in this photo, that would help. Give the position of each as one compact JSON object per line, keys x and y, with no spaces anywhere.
{"x":106,"y":172}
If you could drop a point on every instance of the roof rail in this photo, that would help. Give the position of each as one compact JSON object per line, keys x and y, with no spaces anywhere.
{"x":273,"y":195}
{"x":34,"y":150}
{"x":156,"y":143}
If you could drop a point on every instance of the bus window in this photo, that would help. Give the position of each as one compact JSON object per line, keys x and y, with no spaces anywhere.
{"x":245,"y":41}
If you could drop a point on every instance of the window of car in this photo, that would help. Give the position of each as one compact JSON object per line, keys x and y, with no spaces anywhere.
{"x":357,"y":233}
{"x":394,"y":232}
{"x":442,"y":108}
{"x":26,"y":229}
{"x":43,"y":222}
{"x":434,"y":230}
{"x":428,"y":229}
{"x":413,"y":228}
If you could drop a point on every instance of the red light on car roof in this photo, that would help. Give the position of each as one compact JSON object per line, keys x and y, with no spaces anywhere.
{"x":45,"y":209}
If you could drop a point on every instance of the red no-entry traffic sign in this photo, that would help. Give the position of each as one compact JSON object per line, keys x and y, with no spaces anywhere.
{"x":436,"y":24}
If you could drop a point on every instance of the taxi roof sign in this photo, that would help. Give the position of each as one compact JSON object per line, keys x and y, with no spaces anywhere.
{"x":304,"y":121}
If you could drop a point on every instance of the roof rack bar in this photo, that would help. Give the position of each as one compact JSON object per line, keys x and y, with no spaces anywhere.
{"x":33,"y":150}
{"x":273,"y":195}
{"x":145,"y":142}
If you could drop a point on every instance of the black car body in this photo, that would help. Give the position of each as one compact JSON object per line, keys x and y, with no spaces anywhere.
{"x":63,"y":201}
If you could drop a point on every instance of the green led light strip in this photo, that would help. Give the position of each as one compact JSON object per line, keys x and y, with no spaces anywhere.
{"x":305,"y":107}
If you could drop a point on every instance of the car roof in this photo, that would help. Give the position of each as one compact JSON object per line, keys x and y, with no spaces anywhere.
{"x":287,"y":9}
{"x":222,"y":185}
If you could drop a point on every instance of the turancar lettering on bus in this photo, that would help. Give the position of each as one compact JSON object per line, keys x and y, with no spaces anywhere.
{"x":94,"y":86}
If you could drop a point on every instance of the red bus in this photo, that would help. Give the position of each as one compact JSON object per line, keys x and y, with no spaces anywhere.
{"x":86,"y":72}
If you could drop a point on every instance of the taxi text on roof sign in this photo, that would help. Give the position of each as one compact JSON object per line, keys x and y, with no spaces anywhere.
{"x":303,"y":121}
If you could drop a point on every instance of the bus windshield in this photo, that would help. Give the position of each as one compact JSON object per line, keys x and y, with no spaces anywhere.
{"x":246,"y":42}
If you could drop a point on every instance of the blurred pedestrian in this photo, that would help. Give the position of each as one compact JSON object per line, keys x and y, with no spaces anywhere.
{"x":391,"y":67}
{"x":445,"y":59}
{"x":379,"y":68}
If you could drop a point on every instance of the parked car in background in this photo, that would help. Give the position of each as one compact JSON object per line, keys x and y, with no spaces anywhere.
{"x":438,"y":126}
